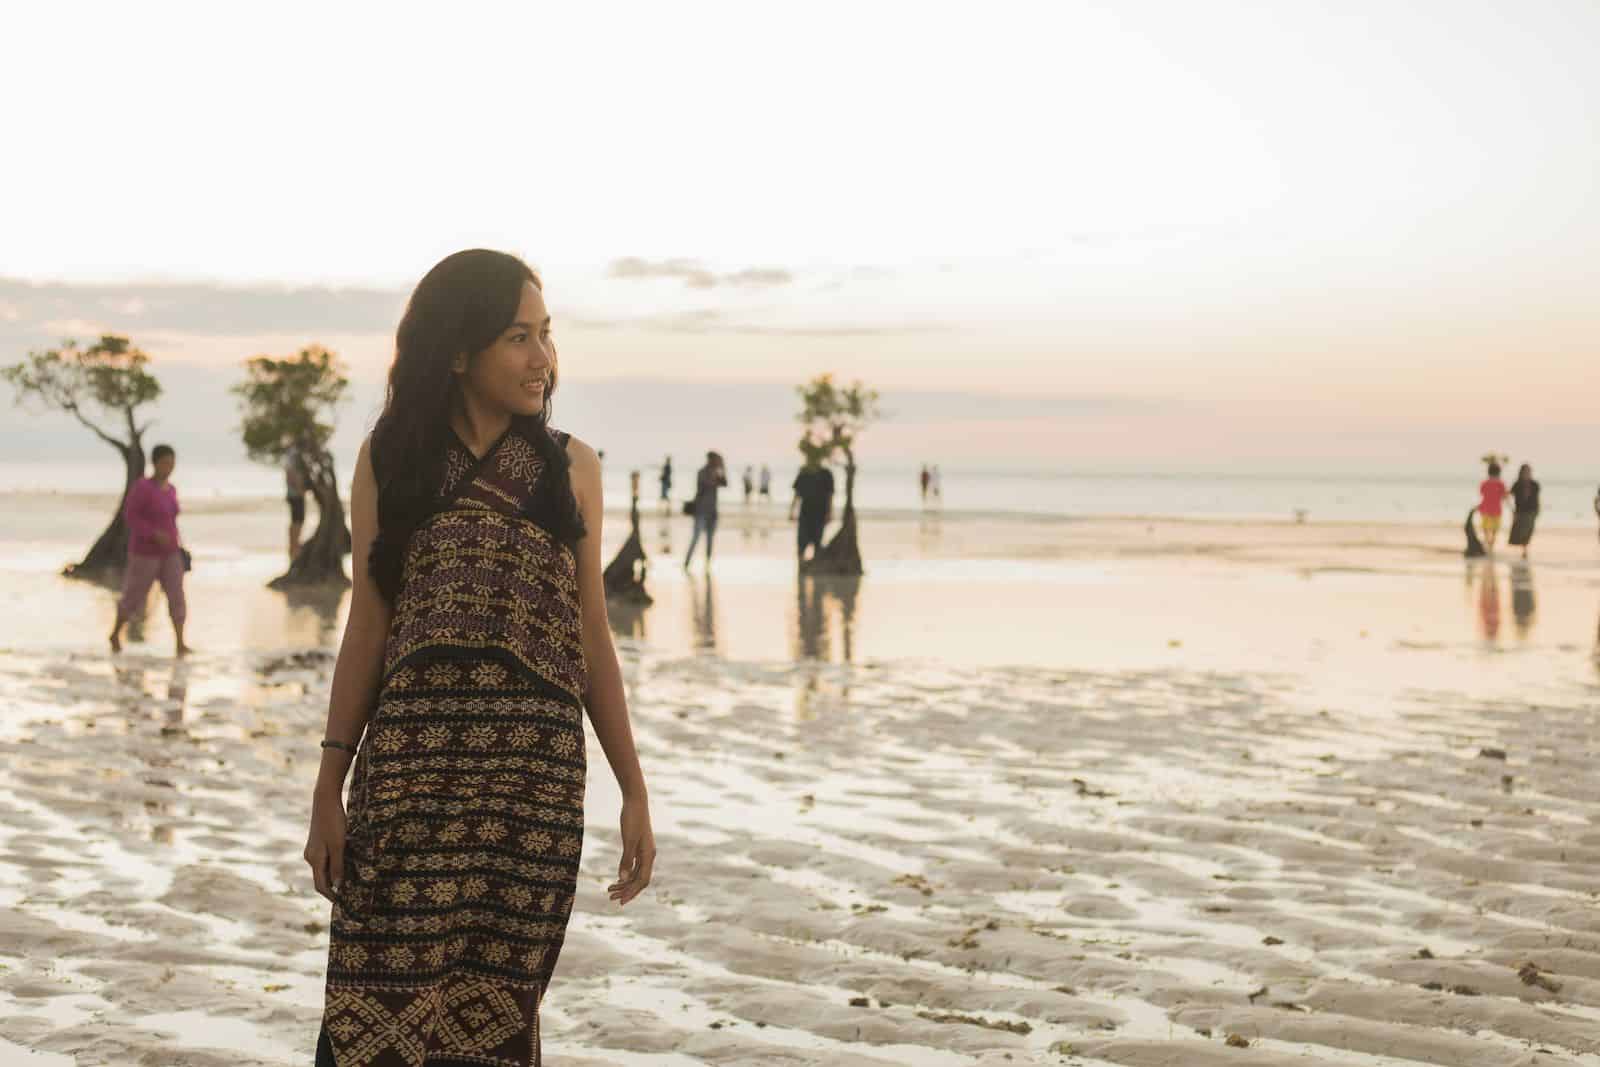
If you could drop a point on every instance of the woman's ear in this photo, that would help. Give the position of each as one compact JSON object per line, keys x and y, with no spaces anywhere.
{"x":459,"y":364}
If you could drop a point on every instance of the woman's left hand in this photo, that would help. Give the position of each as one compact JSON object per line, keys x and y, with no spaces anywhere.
{"x":638,"y":852}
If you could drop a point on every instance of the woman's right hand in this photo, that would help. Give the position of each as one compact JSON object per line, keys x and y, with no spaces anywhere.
{"x":325,"y":844}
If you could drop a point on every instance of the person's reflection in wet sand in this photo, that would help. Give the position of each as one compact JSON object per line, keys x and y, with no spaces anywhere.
{"x":177,"y":697}
{"x":703,"y":606}
{"x":930,"y":530}
{"x":845,"y":589}
{"x":1489,"y":601}
{"x":820,"y":689}
{"x":664,"y":533}
{"x":813,"y":629}
{"x":1523,"y":607}
{"x":130,"y":679}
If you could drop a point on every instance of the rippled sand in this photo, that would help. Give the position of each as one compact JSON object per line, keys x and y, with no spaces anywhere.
{"x":1345,"y":814}
{"x":858,"y":865}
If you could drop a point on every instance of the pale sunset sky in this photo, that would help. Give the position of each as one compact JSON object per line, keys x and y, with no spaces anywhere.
{"x":1140,"y":232}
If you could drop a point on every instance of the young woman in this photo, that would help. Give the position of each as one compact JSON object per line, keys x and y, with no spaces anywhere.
{"x":712,"y":477}
{"x":155,"y":553}
{"x":477,"y":638}
{"x":1525,"y":495}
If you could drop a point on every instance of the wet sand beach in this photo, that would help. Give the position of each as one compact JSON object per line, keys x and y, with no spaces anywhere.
{"x":1098,"y":792}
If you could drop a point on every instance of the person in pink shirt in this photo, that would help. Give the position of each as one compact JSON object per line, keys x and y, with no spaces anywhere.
{"x":1491,"y":498}
{"x":154,"y":552}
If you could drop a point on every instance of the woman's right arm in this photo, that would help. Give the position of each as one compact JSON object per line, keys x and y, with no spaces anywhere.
{"x":356,"y":676}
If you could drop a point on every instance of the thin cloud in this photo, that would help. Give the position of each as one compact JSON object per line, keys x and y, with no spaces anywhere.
{"x":695,"y":274}
{"x":713,"y":321}
{"x":201,"y":307}
{"x":758,"y":276}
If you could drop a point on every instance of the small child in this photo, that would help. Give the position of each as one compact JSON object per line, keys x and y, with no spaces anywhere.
{"x":1491,"y":494}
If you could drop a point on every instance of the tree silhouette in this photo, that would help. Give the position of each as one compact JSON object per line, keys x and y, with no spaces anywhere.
{"x":107,"y":380}
{"x":625,"y":574}
{"x":834,"y":417}
{"x":289,"y":405}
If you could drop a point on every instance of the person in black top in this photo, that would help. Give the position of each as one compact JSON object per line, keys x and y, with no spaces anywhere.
{"x":1525,"y":495}
{"x":813,"y":494}
{"x":711,"y":478}
{"x":666,"y":483}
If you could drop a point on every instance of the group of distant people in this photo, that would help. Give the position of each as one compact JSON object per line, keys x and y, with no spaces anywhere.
{"x":813,"y":500}
{"x":1524,"y":496}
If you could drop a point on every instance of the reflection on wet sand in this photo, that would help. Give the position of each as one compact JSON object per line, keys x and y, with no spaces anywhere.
{"x":1523,"y":608}
{"x":664,"y":536}
{"x":703,"y":612}
{"x":1488,"y":601}
{"x":1524,"y":603}
{"x":177,"y":695}
{"x":814,"y":634}
{"x":627,"y":619}
{"x":930,"y":531}
{"x":315,"y":609}
{"x":138,"y":684}
{"x":137,"y":680}
{"x":1597,"y":646}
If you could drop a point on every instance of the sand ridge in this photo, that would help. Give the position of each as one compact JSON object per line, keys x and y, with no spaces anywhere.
{"x":880,"y":863}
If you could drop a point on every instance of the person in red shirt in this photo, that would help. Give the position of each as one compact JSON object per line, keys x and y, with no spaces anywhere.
{"x":154,"y":551}
{"x":1491,"y":497}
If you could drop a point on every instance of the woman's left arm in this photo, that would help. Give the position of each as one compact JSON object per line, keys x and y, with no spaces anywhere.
{"x":606,"y":701}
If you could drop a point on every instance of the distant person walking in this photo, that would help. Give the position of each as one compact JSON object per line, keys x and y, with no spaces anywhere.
{"x":936,"y":484}
{"x":1597,"y":503}
{"x":925,"y":479}
{"x":666,"y":484}
{"x":749,"y":484}
{"x":712,"y":477}
{"x":295,"y":487}
{"x":813,"y":495}
{"x":1525,"y":495}
{"x":766,"y":482}
{"x":155,"y":552}
{"x":1491,"y":496}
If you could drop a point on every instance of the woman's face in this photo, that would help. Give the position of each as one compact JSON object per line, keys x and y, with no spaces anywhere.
{"x":163,"y":467}
{"x":513,"y":373}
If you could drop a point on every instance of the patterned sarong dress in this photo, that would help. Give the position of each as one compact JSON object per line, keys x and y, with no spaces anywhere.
{"x":466,"y":796}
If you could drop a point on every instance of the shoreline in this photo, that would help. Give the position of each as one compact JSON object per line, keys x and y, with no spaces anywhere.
{"x":217,"y":503}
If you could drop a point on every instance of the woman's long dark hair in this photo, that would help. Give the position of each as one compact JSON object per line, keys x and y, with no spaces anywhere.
{"x":462,"y":305}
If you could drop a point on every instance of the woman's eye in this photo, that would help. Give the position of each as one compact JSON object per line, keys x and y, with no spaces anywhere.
{"x":519,"y":338}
